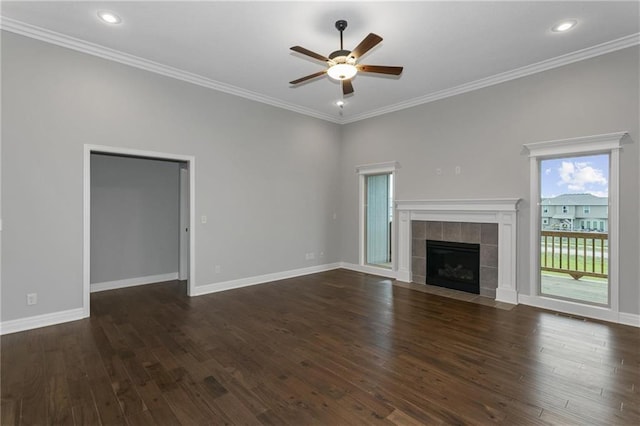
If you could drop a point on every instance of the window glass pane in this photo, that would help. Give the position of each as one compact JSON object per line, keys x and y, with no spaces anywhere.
{"x":574,"y":251}
{"x":378,"y":219}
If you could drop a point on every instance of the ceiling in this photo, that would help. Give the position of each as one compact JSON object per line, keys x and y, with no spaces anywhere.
{"x":243,"y":47}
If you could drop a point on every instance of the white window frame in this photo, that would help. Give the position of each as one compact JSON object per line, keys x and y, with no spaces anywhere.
{"x":363,"y":171}
{"x":565,"y":209}
{"x":586,"y":210}
{"x":610,"y":144}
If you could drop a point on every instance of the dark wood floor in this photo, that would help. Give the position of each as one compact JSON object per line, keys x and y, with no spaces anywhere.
{"x":336,"y":348}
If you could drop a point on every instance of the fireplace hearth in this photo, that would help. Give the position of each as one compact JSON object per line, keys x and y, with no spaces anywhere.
{"x":453,"y":265}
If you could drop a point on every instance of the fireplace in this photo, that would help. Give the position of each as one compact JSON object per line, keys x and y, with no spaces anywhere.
{"x":453,"y":265}
{"x":490,"y":222}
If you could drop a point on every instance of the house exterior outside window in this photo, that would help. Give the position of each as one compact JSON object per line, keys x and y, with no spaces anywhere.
{"x":575,"y":212}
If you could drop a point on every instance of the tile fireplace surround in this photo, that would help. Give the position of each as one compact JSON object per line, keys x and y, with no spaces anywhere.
{"x":500,"y":211}
{"x":485,"y":235}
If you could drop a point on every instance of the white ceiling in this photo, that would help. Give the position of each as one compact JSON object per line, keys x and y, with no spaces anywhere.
{"x":243,"y":47}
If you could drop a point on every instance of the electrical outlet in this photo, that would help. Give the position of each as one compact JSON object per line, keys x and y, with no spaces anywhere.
{"x":203,"y":219}
{"x":458,"y":170}
{"x":218,"y":269}
{"x":312,"y":256}
{"x":32,"y":298}
{"x":438,"y":171}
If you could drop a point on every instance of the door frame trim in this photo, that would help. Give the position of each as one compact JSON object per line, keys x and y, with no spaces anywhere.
{"x":183,"y":268}
{"x":86,"y":247}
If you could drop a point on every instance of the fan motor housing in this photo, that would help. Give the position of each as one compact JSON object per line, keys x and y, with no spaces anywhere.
{"x":339,"y":53}
{"x":341,"y":57}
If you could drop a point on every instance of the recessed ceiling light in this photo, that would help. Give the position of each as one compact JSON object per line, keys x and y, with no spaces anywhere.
{"x":340,"y":103}
{"x":564,"y":26}
{"x":109,"y":17}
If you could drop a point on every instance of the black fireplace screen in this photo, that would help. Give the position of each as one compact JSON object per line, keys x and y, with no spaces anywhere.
{"x":454,"y":265}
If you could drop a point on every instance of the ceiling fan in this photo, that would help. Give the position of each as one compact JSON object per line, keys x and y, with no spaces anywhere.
{"x":343,"y":64}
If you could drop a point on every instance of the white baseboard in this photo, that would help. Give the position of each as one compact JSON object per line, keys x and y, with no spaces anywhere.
{"x":261,"y":279}
{"x":37,"y":321}
{"x":130,"y":282}
{"x":572,"y":308}
{"x":372,"y":270}
{"x":629,"y":319}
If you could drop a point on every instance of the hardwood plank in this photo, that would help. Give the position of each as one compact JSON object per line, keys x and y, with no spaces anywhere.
{"x":337,"y":347}
{"x":59,"y":404}
{"x":398,"y":417}
{"x":34,"y":397}
{"x":85,"y":412}
{"x":106,"y":402}
{"x":10,"y":412}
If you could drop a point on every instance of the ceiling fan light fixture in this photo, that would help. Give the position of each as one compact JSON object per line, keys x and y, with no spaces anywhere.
{"x":342,"y":71}
{"x":343,"y":64}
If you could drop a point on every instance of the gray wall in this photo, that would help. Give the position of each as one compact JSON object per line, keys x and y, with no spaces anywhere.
{"x":270,"y":180}
{"x":135,"y":217}
{"x":266,"y":178}
{"x":483,"y":132}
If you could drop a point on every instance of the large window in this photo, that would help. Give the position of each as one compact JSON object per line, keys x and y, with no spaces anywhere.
{"x":569,"y":256}
{"x":574,"y":262}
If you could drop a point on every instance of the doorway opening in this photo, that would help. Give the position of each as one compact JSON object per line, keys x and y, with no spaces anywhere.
{"x":138,"y":219}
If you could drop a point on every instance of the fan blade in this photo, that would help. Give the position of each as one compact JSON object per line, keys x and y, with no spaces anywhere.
{"x":380,"y":69}
{"x":307,"y":52}
{"x":308,"y":77}
{"x":365,"y":45}
{"x":347,"y":87}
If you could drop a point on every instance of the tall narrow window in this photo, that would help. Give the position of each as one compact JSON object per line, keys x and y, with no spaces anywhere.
{"x":574,"y":262}
{"x":376,"y":204}
{"x":587,"y":173}
{"x":379,"y":211}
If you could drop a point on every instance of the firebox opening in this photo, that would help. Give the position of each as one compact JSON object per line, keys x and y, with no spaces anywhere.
{"x":454,"y":265}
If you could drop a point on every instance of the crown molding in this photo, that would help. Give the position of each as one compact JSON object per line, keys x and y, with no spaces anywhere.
{"x":584,"y":144}
{"x":32,"y":31}
{"x":103,"y":52}
{"x":559,"y":61}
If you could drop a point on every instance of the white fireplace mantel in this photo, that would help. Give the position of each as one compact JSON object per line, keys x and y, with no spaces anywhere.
{"x":502,"y":211}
